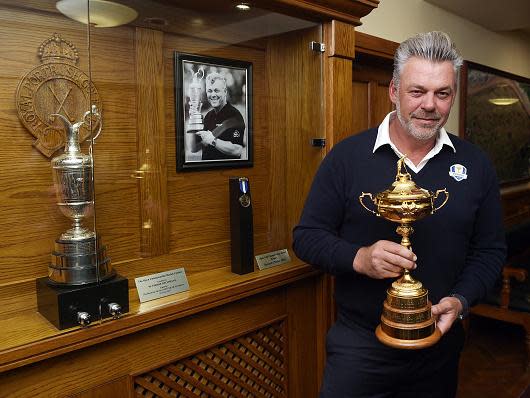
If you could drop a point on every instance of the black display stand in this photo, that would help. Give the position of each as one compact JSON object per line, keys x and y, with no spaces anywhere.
{"x":241,"y":226}
{"x":61,"y":305}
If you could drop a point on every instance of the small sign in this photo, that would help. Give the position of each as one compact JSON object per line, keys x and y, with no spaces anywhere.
{"x":154,"y":286}
{"x":272,"y":259}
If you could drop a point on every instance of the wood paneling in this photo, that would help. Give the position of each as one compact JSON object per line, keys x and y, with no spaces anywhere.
{"x":301,"y":120}
{"x":339,"y":120}
{"x":120,"y":388}
{"x":371,"y":77}
{"x":30,"y":220}
{"x":151,"y":172}
{"x":368,"y":44}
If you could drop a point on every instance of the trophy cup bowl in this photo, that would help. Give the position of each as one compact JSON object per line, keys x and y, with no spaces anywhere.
{"x":406,"y":321}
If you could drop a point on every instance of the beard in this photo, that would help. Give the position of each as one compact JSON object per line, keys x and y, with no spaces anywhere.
{"x":422,"y":133}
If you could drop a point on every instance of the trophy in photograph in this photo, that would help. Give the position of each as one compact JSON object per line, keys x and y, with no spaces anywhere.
{"x":78,"y":258}
{"x":406,"y":321}
{"x":195,"y":121}
{"x":81,"y":285}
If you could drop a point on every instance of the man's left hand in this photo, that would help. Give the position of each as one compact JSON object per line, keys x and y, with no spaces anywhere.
{"x":446,"y":312}
{"x":206,"y":136}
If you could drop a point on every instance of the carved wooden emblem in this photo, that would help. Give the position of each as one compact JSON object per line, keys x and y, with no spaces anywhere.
{"x":55,"y":86}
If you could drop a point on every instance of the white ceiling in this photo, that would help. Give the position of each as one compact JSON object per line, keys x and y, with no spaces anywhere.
{"x":495,"y":15}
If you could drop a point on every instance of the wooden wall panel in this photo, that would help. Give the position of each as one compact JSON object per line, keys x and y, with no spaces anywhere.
{"x":30,"y":220}
{"x":371,"y":76}
{"x":198,"y":200}
{"x":113,"y":64}
{"x":339,"y":122}
{"x":380,"y":103}
{"x":360,"y":106}
{"x":151,"y":172}
{"x":302,"y":95}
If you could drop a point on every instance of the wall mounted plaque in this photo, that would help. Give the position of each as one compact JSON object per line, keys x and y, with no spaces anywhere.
{"x":56,"y":86}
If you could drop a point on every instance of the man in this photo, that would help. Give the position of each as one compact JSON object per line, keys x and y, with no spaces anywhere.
{"x":224,"y":127}
{"x":458,"y":251}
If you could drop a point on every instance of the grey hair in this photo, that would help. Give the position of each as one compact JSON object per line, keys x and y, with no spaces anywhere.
{"x":433,"y":46}
{"x":212,"y":77}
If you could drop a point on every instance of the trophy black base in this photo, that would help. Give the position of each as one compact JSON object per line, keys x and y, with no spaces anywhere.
{"x":61,"y":305}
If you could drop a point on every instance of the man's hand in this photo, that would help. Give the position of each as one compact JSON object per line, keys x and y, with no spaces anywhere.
{"x":446,"y":312}
{"x":384,"y":259}
{"x":206,"y":137}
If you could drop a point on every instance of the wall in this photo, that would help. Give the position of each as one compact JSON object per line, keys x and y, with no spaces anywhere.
{"x":398,"y":20}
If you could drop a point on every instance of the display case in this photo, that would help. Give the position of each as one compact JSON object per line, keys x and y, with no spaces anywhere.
{"x":122,"y":124}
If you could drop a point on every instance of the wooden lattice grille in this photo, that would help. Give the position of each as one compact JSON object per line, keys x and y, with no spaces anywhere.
{"x":253,"y":365}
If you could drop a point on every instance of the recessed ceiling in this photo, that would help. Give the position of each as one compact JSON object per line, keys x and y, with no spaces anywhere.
{"x":495,"y":15}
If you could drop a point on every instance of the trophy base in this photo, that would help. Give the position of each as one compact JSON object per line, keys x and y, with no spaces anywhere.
{"x":61,"y":305}
{"x":407,"y":344}
{"x":407,"y":320}
{"x":79,"y":262}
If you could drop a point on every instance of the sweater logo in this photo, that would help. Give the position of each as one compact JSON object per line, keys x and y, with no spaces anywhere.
{"x":458,"y":172}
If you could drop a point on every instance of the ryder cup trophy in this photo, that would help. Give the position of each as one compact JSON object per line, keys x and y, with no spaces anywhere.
{"x":80,"y":274}
{"x":406,"y":321}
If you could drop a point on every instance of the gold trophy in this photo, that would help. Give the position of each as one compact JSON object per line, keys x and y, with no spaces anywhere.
{"x":406,"y":321}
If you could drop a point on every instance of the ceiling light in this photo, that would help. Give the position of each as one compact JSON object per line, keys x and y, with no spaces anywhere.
{"x":103,"y":14}
{"x":503,"y":101}
{"x":243,"y":6}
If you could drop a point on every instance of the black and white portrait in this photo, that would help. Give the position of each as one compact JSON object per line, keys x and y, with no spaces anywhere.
{"x":214,"y":123}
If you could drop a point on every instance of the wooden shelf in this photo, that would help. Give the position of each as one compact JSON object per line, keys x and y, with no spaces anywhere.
{"x":28,"y":337}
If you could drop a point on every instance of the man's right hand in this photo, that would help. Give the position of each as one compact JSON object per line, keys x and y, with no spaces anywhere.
{"x":384,"y":259}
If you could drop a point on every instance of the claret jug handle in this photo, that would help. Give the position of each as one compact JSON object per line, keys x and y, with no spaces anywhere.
{"x":438,"y":192}
{"x":363,"y":194}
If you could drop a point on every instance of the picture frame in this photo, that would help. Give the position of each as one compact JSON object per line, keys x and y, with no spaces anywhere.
{"x":213,"y":101}
{"x":495,"y":115}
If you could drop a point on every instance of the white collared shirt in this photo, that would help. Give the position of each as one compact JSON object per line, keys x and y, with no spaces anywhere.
{"x":383,"y":138}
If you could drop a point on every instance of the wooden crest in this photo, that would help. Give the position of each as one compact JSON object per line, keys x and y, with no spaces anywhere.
{"x":55,"y":86}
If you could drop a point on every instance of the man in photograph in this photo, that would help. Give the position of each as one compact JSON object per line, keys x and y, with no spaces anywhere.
{"x":224,"y":127}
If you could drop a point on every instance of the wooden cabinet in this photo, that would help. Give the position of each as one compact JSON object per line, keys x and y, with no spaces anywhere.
{"x":228,"y":334}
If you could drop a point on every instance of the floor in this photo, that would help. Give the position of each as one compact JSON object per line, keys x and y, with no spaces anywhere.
{"x":493,"y":361}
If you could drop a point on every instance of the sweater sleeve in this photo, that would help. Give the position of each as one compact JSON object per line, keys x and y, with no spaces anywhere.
{"x":316,"y":238}
{"x":486,"y":253}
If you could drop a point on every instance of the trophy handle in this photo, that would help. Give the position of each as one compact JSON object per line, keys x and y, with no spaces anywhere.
{"x":362,"y":203}
{"x":93,"y":114}
{"x":436,"y":196}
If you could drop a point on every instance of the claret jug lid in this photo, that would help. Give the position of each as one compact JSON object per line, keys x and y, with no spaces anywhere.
{"x":403,"y":188}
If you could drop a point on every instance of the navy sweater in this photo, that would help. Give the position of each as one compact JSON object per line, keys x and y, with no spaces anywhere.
{"x":460,"y":248}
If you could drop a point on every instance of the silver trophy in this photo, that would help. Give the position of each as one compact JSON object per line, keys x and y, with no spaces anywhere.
{"x":195,"y":121}
{"x":78,"y":257}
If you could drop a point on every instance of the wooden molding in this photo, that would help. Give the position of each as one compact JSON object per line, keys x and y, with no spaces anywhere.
{"x":377,"y":46}
{"x":340,"y":39}
{"x":350,"y":11}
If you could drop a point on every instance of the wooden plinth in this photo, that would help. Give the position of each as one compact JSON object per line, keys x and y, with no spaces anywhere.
{"x":408,"y":344}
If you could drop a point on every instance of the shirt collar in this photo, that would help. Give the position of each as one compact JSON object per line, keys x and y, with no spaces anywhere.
{"x":383,"y":138}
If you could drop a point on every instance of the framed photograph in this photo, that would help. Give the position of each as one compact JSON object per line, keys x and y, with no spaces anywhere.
{"x":495,"y":115}
{"x":213,"y":98}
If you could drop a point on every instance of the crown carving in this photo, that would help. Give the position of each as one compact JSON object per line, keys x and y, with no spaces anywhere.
{"x":55,"y":48}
